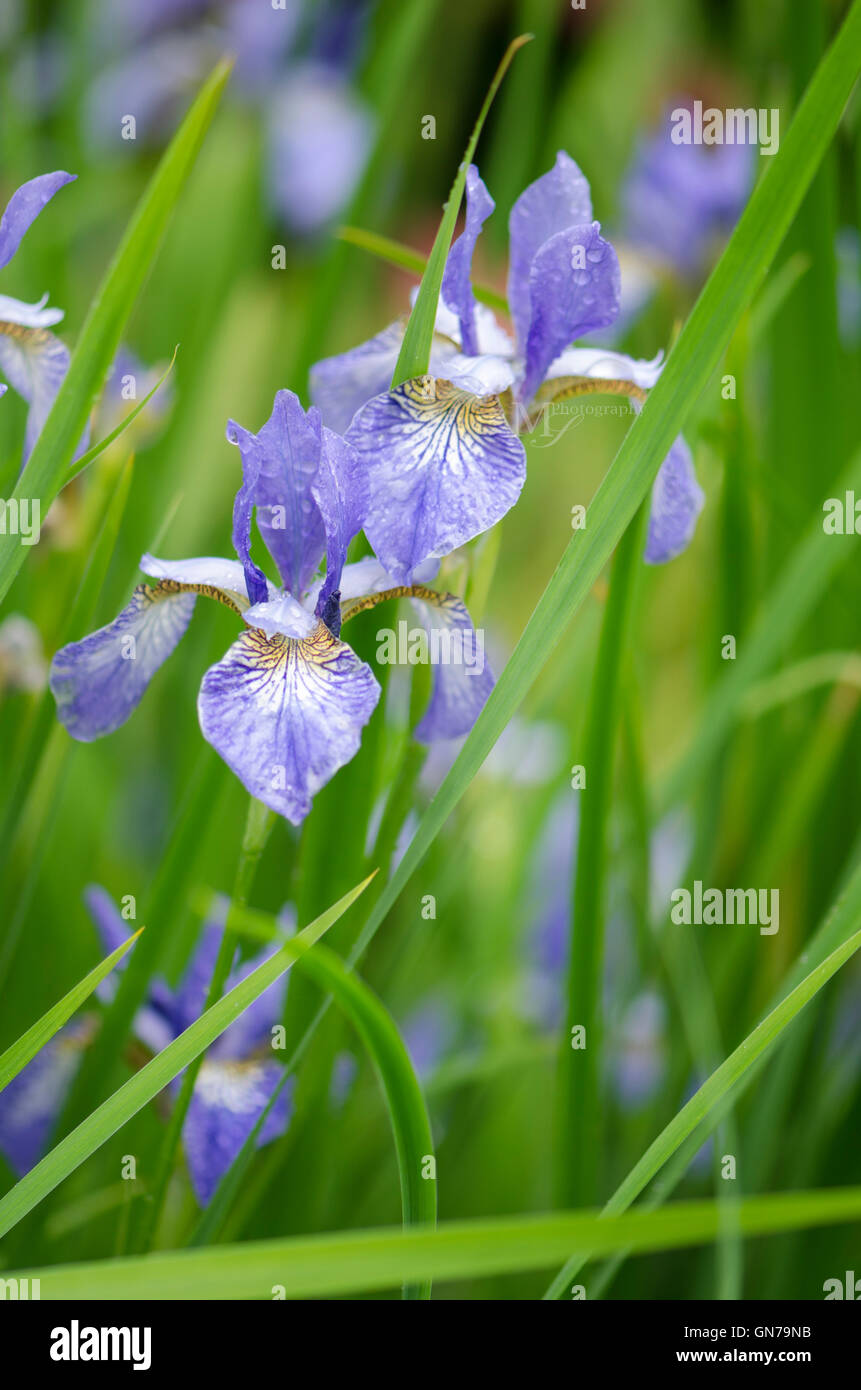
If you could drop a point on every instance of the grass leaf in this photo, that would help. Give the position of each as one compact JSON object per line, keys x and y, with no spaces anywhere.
{"x":16,"y":1057}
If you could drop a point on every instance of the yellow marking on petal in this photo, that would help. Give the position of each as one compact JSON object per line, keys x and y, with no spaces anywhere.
{"x":166,"y":588}
{"x":433,"y":398}
{"x":276,"y":650}
{"x":360,"y":605}
{"x":558,"y":388}
{"x":33,"y":337}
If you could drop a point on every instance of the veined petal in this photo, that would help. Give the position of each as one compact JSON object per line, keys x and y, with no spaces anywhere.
{"x":368,"y":576}
{"x":279,"y":466}
{"x":342,"y":384}
{"x":226,"y":1103}
{"x":574,"y":288}
{"x":677,"y":500}
{"x":281,"y":616}
{"x":35,"y":361}
{"x":462,"y":680}
{"x":340,"y":490}
{"x":456,"y":286}
{"x":558,"y":200}
{"x":443,"y":466}
{"x":24,"y":207}
{"x":99,"y":681}
{"x":285,"y":714}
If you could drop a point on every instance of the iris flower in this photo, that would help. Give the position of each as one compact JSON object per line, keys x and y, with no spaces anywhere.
{"x":286,"y":706}
{"x":34,"y":360}
{"x":441,"y":454}
{"x":31,"y":1103}
{"x":239,"y":1074}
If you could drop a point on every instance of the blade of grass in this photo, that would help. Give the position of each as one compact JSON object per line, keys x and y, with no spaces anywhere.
{"x":407,"y":1110}
{"x":416,"y":348}
{"x":72,"y":1151}
{"x":713,"y":1090}
{"x":45,"y":472}
{"x":16,"y":1057}
{"x":92,"y":454}
{"x":360,"y":1261}
{"x":578,"y":1139}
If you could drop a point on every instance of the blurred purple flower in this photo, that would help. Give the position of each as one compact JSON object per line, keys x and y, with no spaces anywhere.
{"x":238,"y":1077}
{"x":679,"y":200}
{"x":31,"y":1103}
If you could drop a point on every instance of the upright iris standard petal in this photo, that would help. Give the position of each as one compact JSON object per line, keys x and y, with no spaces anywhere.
{"x":443,"y":466}
{"x":456,"y":288}
{"x":226,"y":1103}
{"x":558,"y":200}
{"x":99,"y":681}
{"x":340,"y":490}
{"x":35,"y":361}
{"x":279,"y":466}
{"x":462,"y":680}
{"x":574,"y":288}
{"x":24,"y":207}
{"x":252,"y":1030}
{"x":286,"y":713}
{"x":677,"y":500}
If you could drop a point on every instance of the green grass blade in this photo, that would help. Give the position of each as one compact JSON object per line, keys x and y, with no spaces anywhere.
{"x":406,"y":258}
{"x":416,"y":348}
{"x":713,"y":1090}
{"x":92,"y":454}
{"x":16,"y":1057}
{"x":407,"y":1110}
{"x":44,"y":474}
{"x":578,"y":1138}
{"x":692,"y":361}
{"x":361,"y":1261}
{"x":158,"y":1073}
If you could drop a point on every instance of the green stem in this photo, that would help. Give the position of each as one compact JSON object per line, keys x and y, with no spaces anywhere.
{"x":258,"y":827}
{"x":578,"y":1133}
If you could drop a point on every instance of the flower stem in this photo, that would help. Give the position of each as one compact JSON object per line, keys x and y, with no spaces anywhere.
{"x":578,"y":1118}
{"x":258,"y":826}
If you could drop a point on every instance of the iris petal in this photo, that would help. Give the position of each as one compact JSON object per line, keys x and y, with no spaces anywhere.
{"x":558,"y":200}
{"x":443,"y":466}
{"x":462,"y":680}
{"x":342,"y":384}
{"x":279,"y":466}
{"x":227,"y":1102}
{"x":574,"y":288}
{"x":677,"y":500}
{"x":456,"y":287}
{"x":99,"y":681}
{"x":35,"y":361}
{"x":24,"y":207}
{"x":285,"y":714}
{"x":340,"y":490}
{"x":31,"y":1103}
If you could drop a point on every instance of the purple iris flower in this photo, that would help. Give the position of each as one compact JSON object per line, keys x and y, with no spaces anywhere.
{"x":238,"y":1077}
{"x":680,"y":199}
{"x":443,"y":460}
{"x":34,"y":360}
{"x":286,"y":706}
